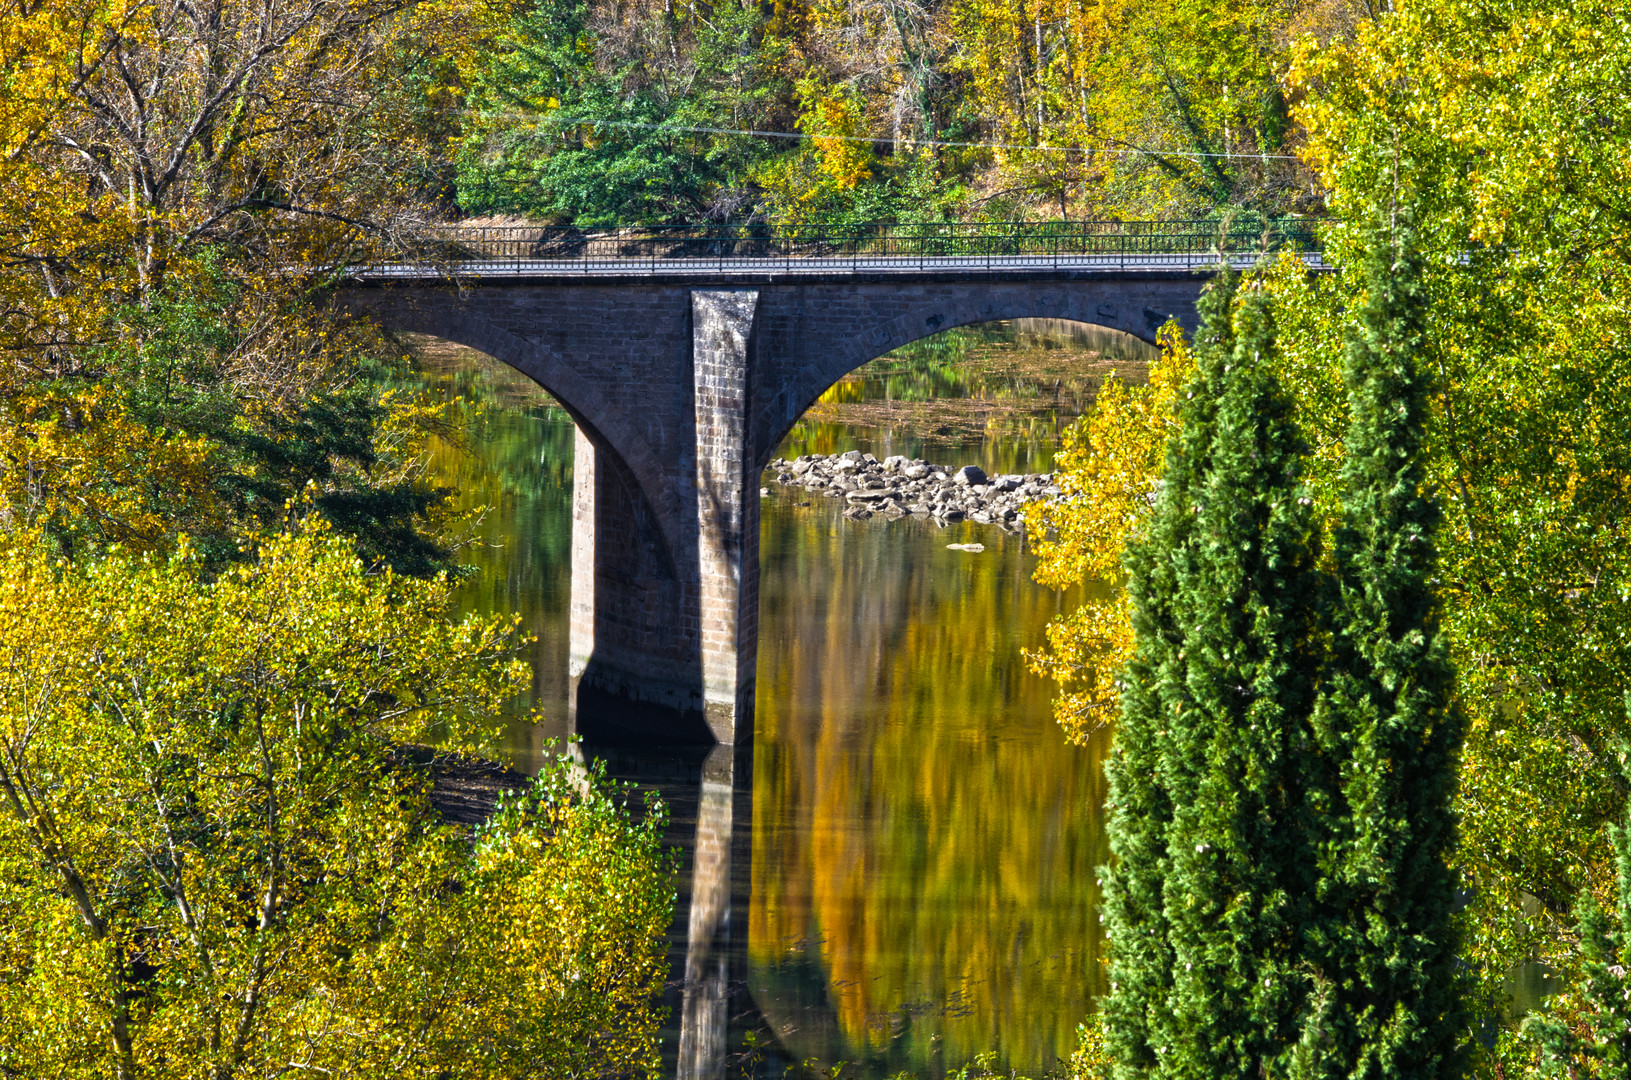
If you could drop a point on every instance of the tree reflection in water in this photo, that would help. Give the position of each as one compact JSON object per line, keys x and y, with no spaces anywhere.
{"x":924,"y":840}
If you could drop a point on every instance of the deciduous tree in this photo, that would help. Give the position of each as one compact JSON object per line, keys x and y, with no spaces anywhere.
{"x":217,"y":860}
{"x":177,"y":183}
{"x":1109,"y":470}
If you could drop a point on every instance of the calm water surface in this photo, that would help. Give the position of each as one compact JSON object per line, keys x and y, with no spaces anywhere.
{"x":912,"y":842}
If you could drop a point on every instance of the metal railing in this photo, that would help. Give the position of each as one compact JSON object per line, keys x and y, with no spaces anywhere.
{"x":952,"y":246}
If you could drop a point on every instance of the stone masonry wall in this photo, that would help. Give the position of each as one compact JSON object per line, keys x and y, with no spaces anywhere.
{"x":727,"y":510}
{"x":633,"y":614}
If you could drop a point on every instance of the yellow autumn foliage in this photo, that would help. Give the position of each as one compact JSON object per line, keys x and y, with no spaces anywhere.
{"x":76,"y":464}
{"x":216,"y":859}
{"x":177,"y":187}
{"x":1109,"y":468}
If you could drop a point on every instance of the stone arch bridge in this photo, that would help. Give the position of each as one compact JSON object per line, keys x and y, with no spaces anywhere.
{"x":683,"y":376}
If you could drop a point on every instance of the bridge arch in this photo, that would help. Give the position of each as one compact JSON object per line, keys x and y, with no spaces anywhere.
{"x":871,"y":338}
{"x":607,"y":427}
{"x":682,"y":386}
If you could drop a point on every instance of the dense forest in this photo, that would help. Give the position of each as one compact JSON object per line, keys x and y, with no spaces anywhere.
{"x":888,"y":110}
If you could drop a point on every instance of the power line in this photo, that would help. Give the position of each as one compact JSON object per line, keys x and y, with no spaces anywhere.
{"x":699,"y":129}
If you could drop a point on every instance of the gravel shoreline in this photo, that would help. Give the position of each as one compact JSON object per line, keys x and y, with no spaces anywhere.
{"x":898,"y":486}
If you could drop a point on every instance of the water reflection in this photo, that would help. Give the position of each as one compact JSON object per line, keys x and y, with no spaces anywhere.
{"x":704,"y":1013}
{"x":996,"y":394}
{"x":924,"y":839}
{"x":899,"y":873}
{"x":512,"y":483}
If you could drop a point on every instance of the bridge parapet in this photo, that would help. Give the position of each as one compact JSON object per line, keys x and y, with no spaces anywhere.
{"x":941,"y":247}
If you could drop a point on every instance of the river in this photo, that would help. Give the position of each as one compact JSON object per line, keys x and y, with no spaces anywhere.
{"x":910,"y":843}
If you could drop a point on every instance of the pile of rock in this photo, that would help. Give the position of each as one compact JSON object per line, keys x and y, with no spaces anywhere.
{"x":897,"y":486}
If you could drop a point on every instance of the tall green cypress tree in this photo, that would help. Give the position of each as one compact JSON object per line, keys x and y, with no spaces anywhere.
{"x":1280,"y":788}
{"x":1140,"y":808}
{"x":1239,"y":863}
{"x":1381,"y":939}
{"x":1204,"y":904}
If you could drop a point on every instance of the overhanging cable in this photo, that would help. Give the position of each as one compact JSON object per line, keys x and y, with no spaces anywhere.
{"x":700,"y":129}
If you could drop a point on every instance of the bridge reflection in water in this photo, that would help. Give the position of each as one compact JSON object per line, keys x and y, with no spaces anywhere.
{"x":709,"y":801}
{"x":704,"y":1010}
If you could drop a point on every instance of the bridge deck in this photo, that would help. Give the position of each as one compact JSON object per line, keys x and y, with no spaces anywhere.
{"x":760,"y":267}
{"x":934,"y":250}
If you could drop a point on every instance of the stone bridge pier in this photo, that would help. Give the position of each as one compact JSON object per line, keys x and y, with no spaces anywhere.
{"x":664,"y":621}
{"x":681,"y":391}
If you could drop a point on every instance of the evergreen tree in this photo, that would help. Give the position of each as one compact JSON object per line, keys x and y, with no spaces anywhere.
{"x":1382,"y":943}
{"x":1280,"y":789}
{"x":1139,"y":807}
{"x":1239,"y":863}
{"x":571,"y":120}
{"x":1204,"y":906}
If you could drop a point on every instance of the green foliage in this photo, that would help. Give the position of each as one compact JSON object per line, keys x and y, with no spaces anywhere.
{"x":904,"y":188}
{"x":1236,"y":876}
{"x":1588,"y":1028}
{"x":1205,"y":905}
{"x":1387,"y":982}
{"x":1203,"y":78}
{"x":171,"y":363}
{"x":185,"y":369}
{"x":548,"y":66}
{"x":1141,"y":809}
{"x":1186,"y":95}
{"x":217,"y":862}
{"x":1285,"y":761}
{"x":1508,"y":122}
{"x":1513,"y":118}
